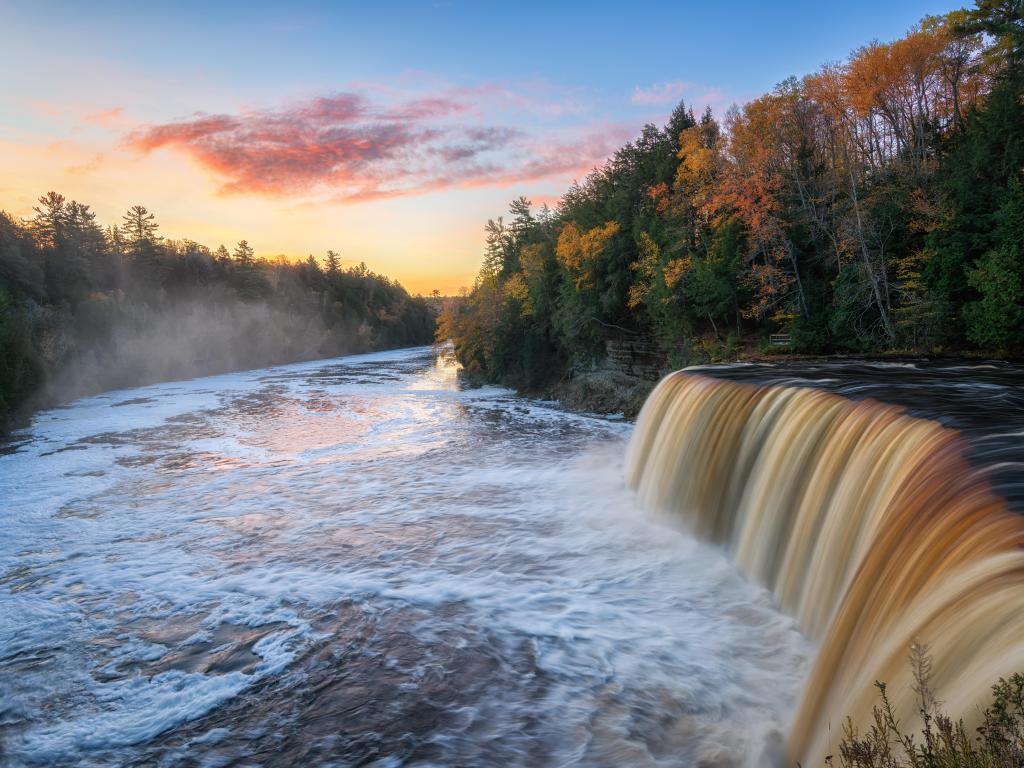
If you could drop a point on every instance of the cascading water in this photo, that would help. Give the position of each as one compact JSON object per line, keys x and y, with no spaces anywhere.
{"x":869,"y":526}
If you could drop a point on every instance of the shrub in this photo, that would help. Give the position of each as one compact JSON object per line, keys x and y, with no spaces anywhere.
{"x":942,"y":742}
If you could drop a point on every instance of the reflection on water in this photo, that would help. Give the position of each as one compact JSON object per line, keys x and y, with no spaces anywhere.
{"x":356,"y":562}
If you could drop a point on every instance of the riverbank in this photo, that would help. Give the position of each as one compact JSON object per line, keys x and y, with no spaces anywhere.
{"x":67,"y":386}
{"x":610,"y":387}
{"x":602,"y":391}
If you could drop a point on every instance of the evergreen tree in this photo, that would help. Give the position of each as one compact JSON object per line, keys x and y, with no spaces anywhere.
{"x":996,"y":320}
{"x":139,"y":229}
{"x":139,"y":226}
{"x":332,"y":264}
{"x":979,"y":178}
{"x":249,"y":279}
{"x":83,"y":309}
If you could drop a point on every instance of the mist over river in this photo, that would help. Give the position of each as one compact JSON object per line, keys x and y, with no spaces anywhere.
{"x":356,"y":562}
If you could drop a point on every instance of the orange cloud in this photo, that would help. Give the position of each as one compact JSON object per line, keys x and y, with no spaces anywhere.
{"x":88,"y":166}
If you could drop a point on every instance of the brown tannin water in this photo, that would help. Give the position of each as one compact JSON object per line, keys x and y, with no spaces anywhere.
{"x":874,"y":528}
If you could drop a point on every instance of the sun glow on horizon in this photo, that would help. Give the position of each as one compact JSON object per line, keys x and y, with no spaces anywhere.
{"x":383,"y":150}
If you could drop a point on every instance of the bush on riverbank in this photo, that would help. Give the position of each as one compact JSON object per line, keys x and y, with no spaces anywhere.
{"x":943,"y":742}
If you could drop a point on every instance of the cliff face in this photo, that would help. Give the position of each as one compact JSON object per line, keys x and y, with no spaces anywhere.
{"x":637,"y":358}
{"x":603,"y":391}
{"x":618,"y":384}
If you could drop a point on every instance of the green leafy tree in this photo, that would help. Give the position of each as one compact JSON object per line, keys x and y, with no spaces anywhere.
{"x":996,"y":321}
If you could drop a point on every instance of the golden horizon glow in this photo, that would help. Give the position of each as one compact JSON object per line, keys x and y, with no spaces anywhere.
{"x":427,"y":241}
{"x":382,"y":149}
{"x":433,"y":250}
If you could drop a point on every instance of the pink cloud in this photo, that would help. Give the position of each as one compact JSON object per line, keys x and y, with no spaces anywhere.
{"x":535,"y":97}
{"x":539,"y":160}
{"x":355,"y":149}
{"x":105,"y":118}
{"x":718,"y":100}
{"x":668,"y":94}
{"x":551,"y":201}
{"x":45,"y":107}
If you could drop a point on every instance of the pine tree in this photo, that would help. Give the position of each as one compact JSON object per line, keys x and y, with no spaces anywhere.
{"x":139,"y":226}
{"x":249,"y":279}
{"x":50,"y":219}
{"x":244,"y":254}
{"x":333,"y":263}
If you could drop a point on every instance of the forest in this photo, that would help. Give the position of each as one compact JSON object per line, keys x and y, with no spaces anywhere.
{"x":873,"y":206}
{"x":85,"y":309}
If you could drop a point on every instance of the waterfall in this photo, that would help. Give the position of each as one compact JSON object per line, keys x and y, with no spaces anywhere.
{"x":868,"y":525}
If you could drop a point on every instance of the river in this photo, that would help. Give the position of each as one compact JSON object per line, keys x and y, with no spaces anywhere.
{"x":359,"y":562}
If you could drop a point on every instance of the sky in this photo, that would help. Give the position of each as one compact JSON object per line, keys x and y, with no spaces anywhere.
{"x":387,"y":131}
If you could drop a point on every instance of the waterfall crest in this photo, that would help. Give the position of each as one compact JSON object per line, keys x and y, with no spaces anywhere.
{"x":869,"y":526}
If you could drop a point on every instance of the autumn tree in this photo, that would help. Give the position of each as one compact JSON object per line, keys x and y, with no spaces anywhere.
{"x":870,"y":205}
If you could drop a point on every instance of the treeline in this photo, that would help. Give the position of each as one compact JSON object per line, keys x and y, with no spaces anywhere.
{"x":874,"y":205}
{"x":84,"y":309}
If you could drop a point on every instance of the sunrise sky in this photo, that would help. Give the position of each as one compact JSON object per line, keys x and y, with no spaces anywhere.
{"x":387,"y":131}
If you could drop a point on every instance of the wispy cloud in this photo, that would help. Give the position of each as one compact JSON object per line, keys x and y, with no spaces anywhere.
{"x":107,"y":118}
{"x":44,"y":107}
{"x":531,"y":160}
{"x":661,"y":93}
{"x":353,"y":148}
{"x":672,"y":92}
{"x":88,"y":166}
{"x":533,"y":97}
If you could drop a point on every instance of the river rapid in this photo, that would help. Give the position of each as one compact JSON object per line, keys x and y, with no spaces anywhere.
{"x":359,"y":562}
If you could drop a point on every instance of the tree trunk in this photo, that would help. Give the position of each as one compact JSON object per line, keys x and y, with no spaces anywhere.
{"x":866,"y":258}
{"x":796,"y":274}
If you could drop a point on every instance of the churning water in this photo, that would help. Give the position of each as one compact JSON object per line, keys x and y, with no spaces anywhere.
{"x":355,"y":562}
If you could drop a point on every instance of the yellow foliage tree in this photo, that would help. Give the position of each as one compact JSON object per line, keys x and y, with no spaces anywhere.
{"x":578,"y":251}
{"x":676,"y":270}
{"x":646,"y":268}
{"x":517,"y":289}
{"x":531,"y":259}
